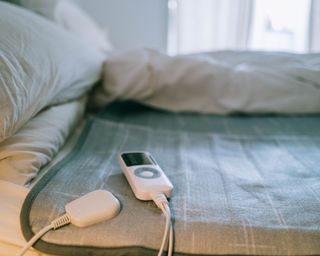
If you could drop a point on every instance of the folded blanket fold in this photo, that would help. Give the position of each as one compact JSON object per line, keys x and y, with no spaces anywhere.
{"x":36,"y":143}
{"x":41,"y":65}
{"x":218,"y":82}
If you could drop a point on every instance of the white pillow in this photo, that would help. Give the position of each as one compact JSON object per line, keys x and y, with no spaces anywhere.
{"x":72,"y":18}
{"x":37,"y":142}
{"x":40,"y":64}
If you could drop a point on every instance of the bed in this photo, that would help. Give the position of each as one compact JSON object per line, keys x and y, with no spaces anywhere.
{"x":236,"y":132}
{"x":259,"y":176}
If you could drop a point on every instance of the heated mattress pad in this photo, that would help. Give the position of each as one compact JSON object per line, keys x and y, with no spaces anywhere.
{"x":243,"y":185}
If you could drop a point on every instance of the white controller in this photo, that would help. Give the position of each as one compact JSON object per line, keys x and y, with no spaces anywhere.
{"x":144,"y":175}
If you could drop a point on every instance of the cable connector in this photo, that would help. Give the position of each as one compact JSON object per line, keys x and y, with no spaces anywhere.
{"x":55,"y":224}
{"x":61,"y":221}
{"x":159,"y":199}
{"x":96,"y":206}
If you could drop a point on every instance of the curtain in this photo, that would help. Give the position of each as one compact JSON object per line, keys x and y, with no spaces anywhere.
{"x":208,"y":25}
{"x":212,"y":24}
{"x":314,"y":27}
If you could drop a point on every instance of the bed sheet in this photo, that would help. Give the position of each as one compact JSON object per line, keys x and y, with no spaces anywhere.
{"x":12,"y":197}
{"x":38,"y":141}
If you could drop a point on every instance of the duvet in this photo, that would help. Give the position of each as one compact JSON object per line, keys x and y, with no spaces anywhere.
{"x":218,"y":82}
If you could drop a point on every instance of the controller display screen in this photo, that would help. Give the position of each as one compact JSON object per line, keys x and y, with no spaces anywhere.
{"x":132,"y":159}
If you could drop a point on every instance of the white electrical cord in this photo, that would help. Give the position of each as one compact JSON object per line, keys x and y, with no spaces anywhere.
{"x":99,"y":212}
{"x":89,"y":209}
{"x":55,"y":224}
{"x":170,"y":247}
{"x":162,"y":202}
{"x":166,"y":229}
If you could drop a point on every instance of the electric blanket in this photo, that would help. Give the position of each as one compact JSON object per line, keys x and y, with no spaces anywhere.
{"x":242,"y":185}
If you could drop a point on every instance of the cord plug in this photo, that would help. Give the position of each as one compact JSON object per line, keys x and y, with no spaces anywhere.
{"x":159,"y":199}
{"x":94,"y":207}
{"x":60,"y":221}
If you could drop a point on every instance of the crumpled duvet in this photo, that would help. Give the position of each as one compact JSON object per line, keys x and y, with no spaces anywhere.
{"x":218,"y":82}
{"x":24,"y":154}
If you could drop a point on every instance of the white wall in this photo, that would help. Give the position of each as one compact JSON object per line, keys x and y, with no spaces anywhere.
{"x":131,"y":23}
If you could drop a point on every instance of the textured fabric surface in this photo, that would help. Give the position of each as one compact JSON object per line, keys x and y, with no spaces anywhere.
{"x":11,"y":238}
{"x":12,"y":197}
{"x":68,"y":15}
{"x":242,"y":185}
{"x":38,"y":141}
{"x":217,"y":82}
{"x":41,"y":64}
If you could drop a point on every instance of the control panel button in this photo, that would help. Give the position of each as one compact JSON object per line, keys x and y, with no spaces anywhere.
{"x":147,"y":173}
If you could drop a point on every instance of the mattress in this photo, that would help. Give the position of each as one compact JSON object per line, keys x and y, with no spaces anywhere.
{"x":243,"y":184}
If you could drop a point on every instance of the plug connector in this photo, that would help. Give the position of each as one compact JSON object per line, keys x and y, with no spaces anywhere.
{"x":94,"y":207}
{"x":159,"y":199}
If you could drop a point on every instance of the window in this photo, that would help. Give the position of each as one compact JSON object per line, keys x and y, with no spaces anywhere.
{"x":276,"y":25}
{"x":280,"y":25}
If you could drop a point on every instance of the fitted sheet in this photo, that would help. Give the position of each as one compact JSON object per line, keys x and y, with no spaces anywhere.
{"x":12,"y":197}
{"x":243,"y":184}
{"x":38,"y":141}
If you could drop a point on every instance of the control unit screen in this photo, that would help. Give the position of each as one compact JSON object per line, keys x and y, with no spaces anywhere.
{"x":132,"y":159}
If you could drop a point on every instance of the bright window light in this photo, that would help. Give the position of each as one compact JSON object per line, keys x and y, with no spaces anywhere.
{"x":280,"y":25}
{"x":272,"y":25}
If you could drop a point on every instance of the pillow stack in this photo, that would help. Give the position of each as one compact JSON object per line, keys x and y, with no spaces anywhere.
{"x":41,"y":65}
{"x":69,"y":16}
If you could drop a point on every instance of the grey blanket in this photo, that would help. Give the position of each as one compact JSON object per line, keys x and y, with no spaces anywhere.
{"x":242,"y":185}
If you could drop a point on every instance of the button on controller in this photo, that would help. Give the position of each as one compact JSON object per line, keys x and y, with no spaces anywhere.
{"x":147,"y":173}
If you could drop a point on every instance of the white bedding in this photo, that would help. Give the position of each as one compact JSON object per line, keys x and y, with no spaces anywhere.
{"x":11,"y":200}
{"x":220,"y":82}
{"x":68,"y":15}
{"x":41,"y":65}
{"x":36,"y":143}
{"x":22,"y":156}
